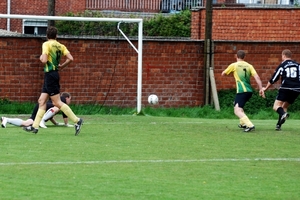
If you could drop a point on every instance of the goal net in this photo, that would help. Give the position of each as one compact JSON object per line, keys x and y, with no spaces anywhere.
{"x":89,"y":52}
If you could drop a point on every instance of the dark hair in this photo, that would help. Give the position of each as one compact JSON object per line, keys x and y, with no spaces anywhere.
{"x":241,"y":54}
{"x":287,"y":53}
{"x":65,"y":95}
{"x":51,"y":32}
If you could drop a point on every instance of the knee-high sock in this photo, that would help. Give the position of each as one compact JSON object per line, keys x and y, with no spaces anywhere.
{"x":49,"y":114}
{"x":242,"y":122}
{"x":280,"y":111}
{"x":279,"y":119}
{"x":247,"y":121}
{"x":67,"y":110}
{"x":38,"y":118}
{"x":14,"y":121}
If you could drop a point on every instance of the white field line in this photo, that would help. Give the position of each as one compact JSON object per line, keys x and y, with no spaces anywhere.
{"x":152,"y":161}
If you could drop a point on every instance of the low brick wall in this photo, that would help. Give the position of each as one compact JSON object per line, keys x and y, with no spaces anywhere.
{"x":105,"y":71}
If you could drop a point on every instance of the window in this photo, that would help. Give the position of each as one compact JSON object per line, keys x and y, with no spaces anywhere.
{"x":34,"y":26}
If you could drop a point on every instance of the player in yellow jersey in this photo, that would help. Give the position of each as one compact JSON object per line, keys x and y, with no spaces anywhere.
{"x":242,"y":72}
{"x":52,"y":52}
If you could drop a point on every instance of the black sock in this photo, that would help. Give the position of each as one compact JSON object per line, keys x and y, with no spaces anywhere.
{"x":279,"y":118}
{"x":280,"y":111}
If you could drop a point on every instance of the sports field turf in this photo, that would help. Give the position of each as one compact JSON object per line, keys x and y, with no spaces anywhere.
{"x":144,"y":157}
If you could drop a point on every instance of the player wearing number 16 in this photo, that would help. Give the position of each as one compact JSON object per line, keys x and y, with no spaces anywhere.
{"x":242,"y":72}
{"x":52,"y":52}
{"x":288,"y":71}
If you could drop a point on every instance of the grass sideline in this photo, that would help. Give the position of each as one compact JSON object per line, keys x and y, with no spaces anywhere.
{"x":146,"y":157}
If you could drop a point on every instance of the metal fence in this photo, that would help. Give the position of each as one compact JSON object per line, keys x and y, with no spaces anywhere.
{"x":169,"y":6}
{"x":143,"y":5}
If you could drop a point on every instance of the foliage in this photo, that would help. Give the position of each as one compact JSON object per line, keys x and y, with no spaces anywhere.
{"x":256,"y":108}
{"x":256,"y":103}
{"x":177,"y":25}
{"x":172,"y":25}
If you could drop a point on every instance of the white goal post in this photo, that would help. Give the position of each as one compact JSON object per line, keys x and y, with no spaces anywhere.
{"x":139,"y":49}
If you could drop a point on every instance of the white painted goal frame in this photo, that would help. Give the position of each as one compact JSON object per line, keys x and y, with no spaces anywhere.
{"x":139,"y":49}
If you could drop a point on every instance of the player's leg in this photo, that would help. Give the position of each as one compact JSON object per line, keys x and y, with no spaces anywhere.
{"x":239,"y":103}
{"x":27,"y":122}
{"x":41,"y":111}
{"x":244,"y":120}
{"x":281,"y":104}
{"x":67,"y":110}
{"x":3,"y":122}
{"x":281,"y":108}
{"x":278,"y":107}
{"x":50,"y":113}
{"x":12,"y":121}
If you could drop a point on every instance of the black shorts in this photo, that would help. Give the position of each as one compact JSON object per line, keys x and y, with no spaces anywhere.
{"x":51,"y":83}
{"x":242,"y":98}
{"x":287,"y":95}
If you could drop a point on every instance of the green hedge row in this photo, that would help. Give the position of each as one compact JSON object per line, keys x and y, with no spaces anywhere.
{"x":172,"y":25}
{"x":255,"y":106}
{"x":256,"y":103}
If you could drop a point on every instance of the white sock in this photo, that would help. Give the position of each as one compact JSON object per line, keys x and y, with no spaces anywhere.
{"x":49,"y":114}
{"x":15,"y":121}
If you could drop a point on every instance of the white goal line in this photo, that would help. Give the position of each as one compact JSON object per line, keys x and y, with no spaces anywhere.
{"x":154,"y":161}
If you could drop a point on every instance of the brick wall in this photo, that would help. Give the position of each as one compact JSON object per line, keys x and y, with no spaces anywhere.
{"x":249,"y":24}
{"x":36,"y":7}
{"x":264,"y":56}
{"x":105,"y":71}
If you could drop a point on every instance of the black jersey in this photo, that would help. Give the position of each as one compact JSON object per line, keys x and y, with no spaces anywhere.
{"x":289,"y":71}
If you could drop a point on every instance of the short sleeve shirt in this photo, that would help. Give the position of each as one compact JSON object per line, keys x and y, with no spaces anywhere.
{"x":54,"y":50}
{"x":242,"y":72}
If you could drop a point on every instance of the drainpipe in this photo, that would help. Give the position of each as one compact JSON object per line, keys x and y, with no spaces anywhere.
{"x":8,"y":12}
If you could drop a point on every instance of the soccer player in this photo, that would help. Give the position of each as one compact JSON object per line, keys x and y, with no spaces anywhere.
{"x":52,"y":52}
{"x":51,"y":111}
{"x":289,"y":90}
{"x":242,"y":72}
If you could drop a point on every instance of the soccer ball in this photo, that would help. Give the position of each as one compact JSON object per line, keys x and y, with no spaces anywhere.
{"x":153,"y":99}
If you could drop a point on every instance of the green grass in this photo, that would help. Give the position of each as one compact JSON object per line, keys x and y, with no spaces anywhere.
{"x":146,"y":157}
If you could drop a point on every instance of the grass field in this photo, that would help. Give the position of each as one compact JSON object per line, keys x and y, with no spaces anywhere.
{"x":144,"y":157}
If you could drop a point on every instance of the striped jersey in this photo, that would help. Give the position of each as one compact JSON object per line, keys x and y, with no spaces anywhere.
{"x":242,"y":72}
{"x":54,"y":50}
{"x":289,"y":71}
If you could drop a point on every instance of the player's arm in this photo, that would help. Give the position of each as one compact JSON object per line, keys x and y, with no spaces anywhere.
{"x":228,"y":70}
{"x":259,"y":83}
{"x":67,"y":61}
{"x":54,"y":121}
{"x":267,"y":86}
{"x":67,"y":122}
{"x":225,"y":72}
{"x":44,"y":58}
{"x":274,"y":79}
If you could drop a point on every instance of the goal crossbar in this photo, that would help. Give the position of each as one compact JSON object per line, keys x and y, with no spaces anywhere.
{"x":139,"y":50}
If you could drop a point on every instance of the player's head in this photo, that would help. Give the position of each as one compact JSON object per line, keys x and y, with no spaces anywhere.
{"x":51,"y":32}
{"x":67,"y":96}
{"x":286,"y":54}
{"x":240,"y":54}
